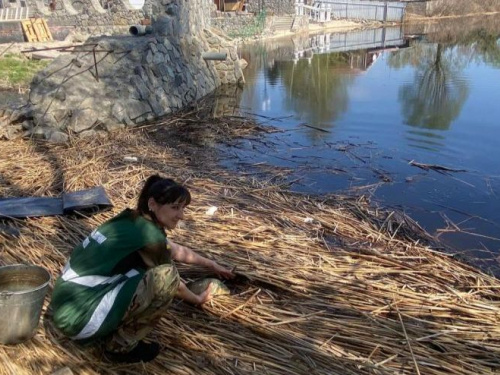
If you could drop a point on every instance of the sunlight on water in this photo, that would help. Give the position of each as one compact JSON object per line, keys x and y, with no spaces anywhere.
{"x":420,"y":95}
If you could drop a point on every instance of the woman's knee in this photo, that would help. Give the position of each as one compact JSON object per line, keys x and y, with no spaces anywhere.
{"x":166,"y":280}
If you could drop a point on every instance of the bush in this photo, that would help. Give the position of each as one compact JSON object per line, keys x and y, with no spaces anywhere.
{"x":462,"y":7}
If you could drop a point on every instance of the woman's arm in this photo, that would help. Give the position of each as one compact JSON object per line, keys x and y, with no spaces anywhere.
{"x":184,"y":254}
{"x":196,"y":299}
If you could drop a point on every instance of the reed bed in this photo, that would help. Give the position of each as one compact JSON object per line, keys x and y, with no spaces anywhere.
{"x":327,"y":285}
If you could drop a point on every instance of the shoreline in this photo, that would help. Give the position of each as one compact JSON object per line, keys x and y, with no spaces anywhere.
{"x":350,"y":25}
{"x":328,"y":278}
{"x":331,"y":26}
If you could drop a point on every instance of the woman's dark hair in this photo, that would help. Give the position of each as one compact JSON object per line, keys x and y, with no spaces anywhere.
{"x":163,"y":191}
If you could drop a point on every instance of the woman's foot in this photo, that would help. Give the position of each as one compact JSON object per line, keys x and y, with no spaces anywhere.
{"x":144,"y":352}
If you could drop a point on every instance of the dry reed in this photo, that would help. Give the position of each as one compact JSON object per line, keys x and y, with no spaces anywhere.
{"x":354,"y":291}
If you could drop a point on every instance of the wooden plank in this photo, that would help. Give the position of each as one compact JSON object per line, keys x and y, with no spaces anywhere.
{"x":27,"y":30}
{"x":35,"y":29}
{"x":231,"y":6}
{"x":42,"y":37}
{"x":47,"y":30}
{"x":40,"y":31}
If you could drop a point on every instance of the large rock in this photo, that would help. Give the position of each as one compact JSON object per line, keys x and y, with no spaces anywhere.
{"x":82,"y":119}
{"x":128,"y":79}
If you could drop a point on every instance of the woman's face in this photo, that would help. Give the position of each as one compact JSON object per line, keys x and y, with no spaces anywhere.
{"x":169,"y":214}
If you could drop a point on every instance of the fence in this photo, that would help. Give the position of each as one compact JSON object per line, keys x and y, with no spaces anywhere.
{"x":327,"y":10}
{"x":364,"y":39}
{"x":370,"y":39}
{"x":14,"y":14}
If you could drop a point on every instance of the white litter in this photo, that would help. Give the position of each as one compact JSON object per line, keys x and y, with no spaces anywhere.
{"x":211,"y":211}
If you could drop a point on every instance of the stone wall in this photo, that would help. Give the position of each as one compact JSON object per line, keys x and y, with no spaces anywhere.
{"x":132,"y":79}
{"x":271,"y":7}
{"x":235,"y":23}
{"x":11,"y":32}
{"x":84,"y":13}
{"x":80,"y":33}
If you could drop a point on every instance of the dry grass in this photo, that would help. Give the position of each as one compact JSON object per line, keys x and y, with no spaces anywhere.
{"x":464,"y":7}
{"x":355,"y":291}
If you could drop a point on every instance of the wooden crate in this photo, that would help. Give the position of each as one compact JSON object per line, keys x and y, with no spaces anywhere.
{"x":36,"y":30}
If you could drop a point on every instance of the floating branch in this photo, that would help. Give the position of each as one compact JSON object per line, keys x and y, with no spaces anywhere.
{"x":435,"y":167}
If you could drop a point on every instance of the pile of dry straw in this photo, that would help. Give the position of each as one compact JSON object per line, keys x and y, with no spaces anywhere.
{"x":352,"y":291}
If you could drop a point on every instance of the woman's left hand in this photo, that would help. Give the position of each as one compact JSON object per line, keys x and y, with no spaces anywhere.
{"x":222,"y":271}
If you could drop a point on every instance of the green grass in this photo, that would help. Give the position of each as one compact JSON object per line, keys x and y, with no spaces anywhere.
{"x":18,"y":71}
{"x":253,"y":29}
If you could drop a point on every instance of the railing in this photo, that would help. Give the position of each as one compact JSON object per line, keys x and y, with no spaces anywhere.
{"x":327,"y":10}
{"x":372,"y":40}
{"x":368,"y":39}
{"x":14,"y":14}
{"x":356,"y":40}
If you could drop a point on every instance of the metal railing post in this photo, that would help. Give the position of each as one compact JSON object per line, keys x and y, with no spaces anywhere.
{"x":323,"y":10}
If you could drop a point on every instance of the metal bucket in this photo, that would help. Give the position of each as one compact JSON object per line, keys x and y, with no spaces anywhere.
{"x":22,"y":291}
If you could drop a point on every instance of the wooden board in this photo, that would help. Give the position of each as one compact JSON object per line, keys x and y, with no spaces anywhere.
{"x":231,"y":6}
{"x":36,"y":30}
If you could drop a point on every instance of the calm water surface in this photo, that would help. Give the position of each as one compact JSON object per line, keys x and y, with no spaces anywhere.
{"x":357,"y":108}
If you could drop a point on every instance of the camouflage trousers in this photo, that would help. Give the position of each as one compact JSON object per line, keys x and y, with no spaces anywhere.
{"x":154,"y":293}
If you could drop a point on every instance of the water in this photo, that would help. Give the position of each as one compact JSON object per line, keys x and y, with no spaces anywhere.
{"x":354,"y":119}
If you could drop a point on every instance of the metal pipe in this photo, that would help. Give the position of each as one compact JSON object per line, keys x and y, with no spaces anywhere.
{"x":220,"y":56}
{"x":139,"y":30}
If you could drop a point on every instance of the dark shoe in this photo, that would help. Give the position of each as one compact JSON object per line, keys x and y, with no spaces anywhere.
{"x":144,"y":352}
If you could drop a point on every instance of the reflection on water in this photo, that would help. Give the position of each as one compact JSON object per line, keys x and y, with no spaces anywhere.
{"x":317,"y":91}
{"x":370,"y":39}
{"x":425,"y":140}
{"x":436,"y":96}
{"x":356,"y":108}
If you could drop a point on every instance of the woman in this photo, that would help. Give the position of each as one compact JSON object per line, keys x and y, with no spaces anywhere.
{"x":117,"y":282}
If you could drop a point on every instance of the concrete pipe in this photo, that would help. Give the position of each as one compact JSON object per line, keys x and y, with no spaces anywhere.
{"x":220,"y":56}
{"x":139,"y":30}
